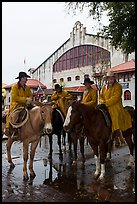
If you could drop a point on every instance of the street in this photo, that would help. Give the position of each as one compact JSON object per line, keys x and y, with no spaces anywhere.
{"x":60,"y":181}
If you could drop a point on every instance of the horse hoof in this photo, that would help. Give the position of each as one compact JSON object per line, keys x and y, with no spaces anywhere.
{"x":74,"y":162}
{"x":96,"y":176}
{"x":50,"y":156}
{"x":60,"y":156}
{"x":25,"y":178}
{"x":32,"y":177}
{"x":100,"y":178}
{"x":64,"y":148}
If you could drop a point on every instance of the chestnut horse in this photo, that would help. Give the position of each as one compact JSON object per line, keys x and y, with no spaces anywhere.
{"x":98,"y":132}
{"x":39,"y":119}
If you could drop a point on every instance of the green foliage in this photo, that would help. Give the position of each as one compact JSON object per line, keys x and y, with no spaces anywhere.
{"x":121,"y":15}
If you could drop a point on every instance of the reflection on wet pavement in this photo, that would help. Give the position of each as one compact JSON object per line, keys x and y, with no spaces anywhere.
{"x":58,"y":180}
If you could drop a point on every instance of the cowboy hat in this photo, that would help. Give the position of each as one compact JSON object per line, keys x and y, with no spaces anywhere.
{"x":110,"y":74}
{"x":57,"y":86}
{"x":88,"y":81}
{"x":21,"y":75}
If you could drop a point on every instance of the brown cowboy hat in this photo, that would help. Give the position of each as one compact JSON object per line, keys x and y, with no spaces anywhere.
{"x":22,"y":74}
{"x":87,"y":81}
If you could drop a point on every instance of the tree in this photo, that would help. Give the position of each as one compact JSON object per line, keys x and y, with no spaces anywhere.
{"x":121,"y":28}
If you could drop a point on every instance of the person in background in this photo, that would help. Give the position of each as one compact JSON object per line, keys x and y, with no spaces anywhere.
{"x":111,"y":96}
{"x":61,"y":97}
{"x":21,"y":96}
{"x":90,"y":94}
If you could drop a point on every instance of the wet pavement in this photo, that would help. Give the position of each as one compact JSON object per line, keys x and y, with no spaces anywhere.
{"x":59,"y":181}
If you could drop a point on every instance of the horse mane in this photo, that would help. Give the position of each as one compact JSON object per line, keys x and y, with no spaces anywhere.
{"x":84,"y":109}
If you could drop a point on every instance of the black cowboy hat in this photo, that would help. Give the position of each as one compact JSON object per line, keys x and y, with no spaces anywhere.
{"x":88,"y":81}
{"x":21,"y":75}
{"x":57,"y":86}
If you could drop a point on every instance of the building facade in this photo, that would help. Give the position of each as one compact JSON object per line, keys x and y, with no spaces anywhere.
{"x":80,"y":56}
{"x":76,"y":58}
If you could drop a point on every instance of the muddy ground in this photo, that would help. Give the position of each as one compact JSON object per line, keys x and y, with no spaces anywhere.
{"x":59,"y":181}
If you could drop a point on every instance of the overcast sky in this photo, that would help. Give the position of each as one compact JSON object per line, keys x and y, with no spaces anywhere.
{"x":33,"y":31}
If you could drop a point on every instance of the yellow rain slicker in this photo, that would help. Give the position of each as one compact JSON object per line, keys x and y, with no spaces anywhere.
{"x":120,"y":117}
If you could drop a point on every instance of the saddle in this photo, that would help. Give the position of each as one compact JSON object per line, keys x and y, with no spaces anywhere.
{"x":104,"y":111}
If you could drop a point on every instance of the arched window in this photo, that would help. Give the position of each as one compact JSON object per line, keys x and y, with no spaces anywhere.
{"x":61,"y":79}
{"x":81,"y":56}
{"x":69,"y":79}
{"x":86,"y":76}
{"x":54,"y":80}
{"x":127,"y":95}
{"x":77,"y":78}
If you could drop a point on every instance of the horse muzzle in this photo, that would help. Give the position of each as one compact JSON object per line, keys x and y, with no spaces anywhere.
{"x":48,"y":129}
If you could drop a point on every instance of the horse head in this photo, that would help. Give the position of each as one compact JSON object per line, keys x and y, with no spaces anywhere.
{"x":73,"y":116}
{"x":46,"y":112}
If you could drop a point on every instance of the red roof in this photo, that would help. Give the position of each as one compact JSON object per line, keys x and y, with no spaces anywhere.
{"x":32,"y":83}
{"x":124,"y":67}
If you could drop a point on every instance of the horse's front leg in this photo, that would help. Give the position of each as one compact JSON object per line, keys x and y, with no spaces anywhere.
{"x":59,"y":144}
{"x":95,"y":150}
{"x":64,"y":140}
{"x":75,"y":149}
{"x":128,"y":139}
{"x":32,"y":154}
{"x":103,"y":155}
{"x":82,"y":140}
{"x":8,"y":146}
{"x":50,"y":146}
{"x":25,"y":157}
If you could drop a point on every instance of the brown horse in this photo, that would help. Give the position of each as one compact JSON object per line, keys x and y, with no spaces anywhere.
{"x":39,"y":120}
{"x":97,"y":131}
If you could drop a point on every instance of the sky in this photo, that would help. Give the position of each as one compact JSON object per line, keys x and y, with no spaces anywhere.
{"x":32,"y":31}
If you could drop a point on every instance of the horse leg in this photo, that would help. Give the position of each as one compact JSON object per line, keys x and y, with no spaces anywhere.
{"x":64,"y":140}
{"x":128,"y":139}
{"x":75,"y":149}
{"x":103,"y":154}
{"x":95,"y":150}
{"x":59,"y":144}
{"x":8,"y":146}
{"x":81,"y":140}
{"x":50,"y":147}
{"x":32,"y":154}
{"x":25,"y":157}
{"x":69,"y":141}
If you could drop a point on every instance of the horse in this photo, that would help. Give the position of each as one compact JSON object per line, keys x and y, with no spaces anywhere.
{"x":39,"y":120}
{"x":57,"y":124}
{"x":98,"y":133}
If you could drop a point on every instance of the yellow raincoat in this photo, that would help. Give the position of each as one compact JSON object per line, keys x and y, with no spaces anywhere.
{"x":18,"y":98}
{"x":61,"y":100}
{"x":111,"y":96}
{"x":90,"y":97}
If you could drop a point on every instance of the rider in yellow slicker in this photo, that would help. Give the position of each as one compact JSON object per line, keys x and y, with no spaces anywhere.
{"x":20,"y":96}
{"x":61,"y":97}
{"x":90,"y":94}
{"x":111,"y":96}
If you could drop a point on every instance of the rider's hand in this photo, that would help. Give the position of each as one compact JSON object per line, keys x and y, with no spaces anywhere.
{"x":28,"y":100}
